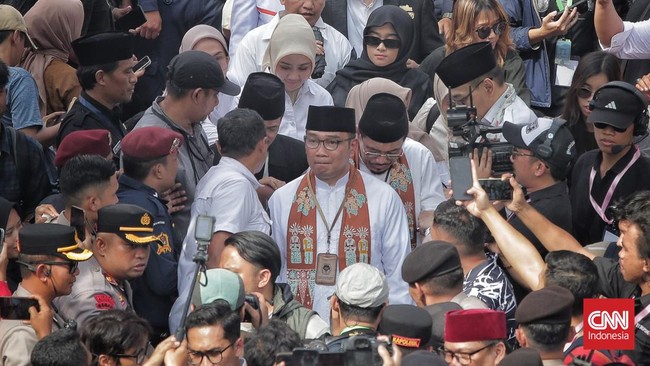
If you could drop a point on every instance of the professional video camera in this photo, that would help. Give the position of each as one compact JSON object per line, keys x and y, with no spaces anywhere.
{"x":467,"y":131}
{"x":357,"y":350}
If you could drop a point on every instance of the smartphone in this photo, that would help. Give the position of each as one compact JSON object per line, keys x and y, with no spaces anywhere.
{"x":571,"y":7}
{"x":131,"y":20}
{"x":78,"y":222}
{"x":16,"y":307}
{"x":254,"y":302}
{"x":497,"y":189}
{"x":460,"y":171}
{"x":204,"y":226}
{"x":142,"y":64}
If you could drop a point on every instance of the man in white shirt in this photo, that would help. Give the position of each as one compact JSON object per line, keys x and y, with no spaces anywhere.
{"x":406,"y":165}
{"x":228,"y":193}
{"x":335,"y":216}
{"x":250,"y":51}
{"x":626,"y":40}
{"x":248,"y":15}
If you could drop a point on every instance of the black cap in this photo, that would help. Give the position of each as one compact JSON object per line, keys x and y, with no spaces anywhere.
{"x":384,"y":119}
{"x":132,"y":223}
{"x":102,"y":48}
{"x":523,"y":356}
{"x":5,"y":209}
{"x":51,"y":239}
{"x":331,"y":119}
{"x":437,"y":313}
{"x":431,"y":259}
{"x":617,"y":104}
{"x":197,"y":69}
{"x":263,"y":93}
{"x":550,"y":305}
{"x":466,"y":64}
{"x":422,"y":357}
{"x":531,"y":136}
{"x":409,"y":326}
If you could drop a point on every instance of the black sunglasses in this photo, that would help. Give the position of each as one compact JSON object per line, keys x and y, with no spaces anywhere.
{"x":585,"y":93}
{"x":498,"y":29}
{"x":601,"y":126}
{"x":373,"y":41}
{"x":72,"y":265}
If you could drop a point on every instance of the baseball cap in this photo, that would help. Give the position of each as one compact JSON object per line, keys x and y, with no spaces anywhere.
{"x":197,"y":69}
{"x":616,"y":105}
{"x":11,"y":19}
{"x":362,"y":285}
{"x":219,"y":284}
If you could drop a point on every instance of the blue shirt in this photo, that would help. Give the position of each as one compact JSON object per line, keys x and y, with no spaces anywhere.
{"x":22,"y":101}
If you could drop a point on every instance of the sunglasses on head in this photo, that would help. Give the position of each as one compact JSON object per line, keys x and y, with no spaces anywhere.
{"x":498,"y":28}
{"x":373,"y":41}
{"x":585,"y":93}
{"x":601,"y":126}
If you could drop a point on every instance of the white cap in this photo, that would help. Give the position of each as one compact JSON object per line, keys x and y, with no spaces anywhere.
{"x":362,"y":285}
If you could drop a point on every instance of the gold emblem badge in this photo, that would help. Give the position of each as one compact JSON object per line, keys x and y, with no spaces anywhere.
{"x":145,"y":220}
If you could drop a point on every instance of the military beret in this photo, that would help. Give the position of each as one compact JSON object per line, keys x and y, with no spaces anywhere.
{"x":550,"y":305}
{"x":103,"y":48}
{"x":148,"y":143}
{"x":384,"y":119}
{"x":466,"y":64}
{"x":263,"y":93}
{"x":474,"y":325}
{"x":331,"y":119}
{"x":51,"y":239}
{"x":408,"y":325}
{"x":437,"y":313}
{"x":431,"y":259}
{"x":523,"y":356}
{"x":132,"y":223}
{"x":83,"y":142}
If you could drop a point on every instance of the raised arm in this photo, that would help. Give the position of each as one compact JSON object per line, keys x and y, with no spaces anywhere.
{"x":607,"y":22}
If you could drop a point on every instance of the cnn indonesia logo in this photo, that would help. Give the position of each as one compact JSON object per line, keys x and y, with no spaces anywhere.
{"x":608,"y":323}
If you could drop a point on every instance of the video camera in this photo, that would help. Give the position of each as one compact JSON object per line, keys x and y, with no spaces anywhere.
{"x":357,"y":350}
{"x":467,"y":131}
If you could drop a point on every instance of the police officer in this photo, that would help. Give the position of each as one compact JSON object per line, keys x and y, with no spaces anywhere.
{"x":107,"y":80}
{"x":49,"y":258}
{"x":121,"y":250}
{"x":150,"y":166}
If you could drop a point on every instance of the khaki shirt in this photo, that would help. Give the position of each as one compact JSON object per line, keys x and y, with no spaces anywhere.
{"x":93,"y":292}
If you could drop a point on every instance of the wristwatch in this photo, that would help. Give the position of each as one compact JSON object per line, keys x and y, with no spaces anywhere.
{"x":447,"y":15}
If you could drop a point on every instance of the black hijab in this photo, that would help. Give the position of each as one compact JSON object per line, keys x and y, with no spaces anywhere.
{"x":5,"y":210}
{"x":362,"y":69}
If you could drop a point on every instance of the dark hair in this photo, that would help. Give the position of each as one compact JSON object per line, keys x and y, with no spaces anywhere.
{"x":82,"y":172}
{"x":575,"y":272}
{"x":547,"y":337}
{"x":175,"y":91}
{"x":4,"y":74}
{"x":496,"y":74}
{"x":445,"y":284}
{"x":61,"y":348}
{"x":4,"y":34}
{"x":86,"y":74}
{"x":369,"y":315}
{"x":139,"y":169}
{"x":635,"y":208}
{"x":469,"y":231}
{"x":114,"y":332}
{"x":239,"y":132}
{"x":591,"y":64}
{"x":261,"y":347}
{"x":258,"y":249}
{"x":32,"y":258}
{"x":218,"y":313}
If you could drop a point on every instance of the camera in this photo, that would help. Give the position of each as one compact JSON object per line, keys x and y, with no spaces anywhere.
{"x":466,"y":131}
{"x":357,"y":350}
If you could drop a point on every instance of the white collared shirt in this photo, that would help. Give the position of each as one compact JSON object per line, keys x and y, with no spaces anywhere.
{"x":294,"y":120}
{"x":247,"y":15}
{"x":517,"y":112}
{"x":252,"y":47}
{"x":632,"y":43}
{"x":358,"y":13}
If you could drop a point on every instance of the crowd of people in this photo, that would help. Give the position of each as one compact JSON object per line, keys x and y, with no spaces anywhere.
{"x":266,"y":182}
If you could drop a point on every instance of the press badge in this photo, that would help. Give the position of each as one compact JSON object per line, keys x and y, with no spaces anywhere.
{"x":326,"y":266}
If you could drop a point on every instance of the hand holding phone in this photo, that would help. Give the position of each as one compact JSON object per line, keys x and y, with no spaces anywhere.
{"x":142,"y":64}
{"x":78,"y":222}
{"x":497,"y":189}
{"x":17,"y":308}
{"x":460,"y":171}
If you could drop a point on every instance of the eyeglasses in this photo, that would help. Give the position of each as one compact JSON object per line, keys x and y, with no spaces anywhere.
{"x":498,"y":29}
{"x":373,"y":41}
{"x":375,"y":155}
{"x":602,"y":126}
{"x":462,"y":357}
{"x":213,"y":355}
{"x":517,"y":153}
{"x":329,"y":144}
{"x":72,"y":265}
{"x":139,"y":357}
{"x":585,"y":93}
{"x":456,"y":101}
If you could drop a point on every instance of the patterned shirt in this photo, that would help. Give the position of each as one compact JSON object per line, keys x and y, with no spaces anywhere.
{"x":489,"y":283}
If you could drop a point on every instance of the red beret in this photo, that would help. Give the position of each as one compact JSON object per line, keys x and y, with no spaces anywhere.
{"x":474,"y":325}
{"x":83,"y":142}
{"x":152,"y":142}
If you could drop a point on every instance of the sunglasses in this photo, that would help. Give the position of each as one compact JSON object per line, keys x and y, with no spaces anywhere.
{"x":600,"y":125}
{"x":373,"y":41}
{"x":498,"y":29}
{"x":585,"y":93}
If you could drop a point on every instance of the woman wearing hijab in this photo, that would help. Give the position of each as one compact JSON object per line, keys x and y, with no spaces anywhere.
{"x":290,"y":56}
{"x":387,"y":39}
{"x":209,"y":40}
{"x":53,"y":25}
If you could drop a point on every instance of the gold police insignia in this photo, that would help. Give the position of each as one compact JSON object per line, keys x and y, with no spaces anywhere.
{"x":145,"y":219}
